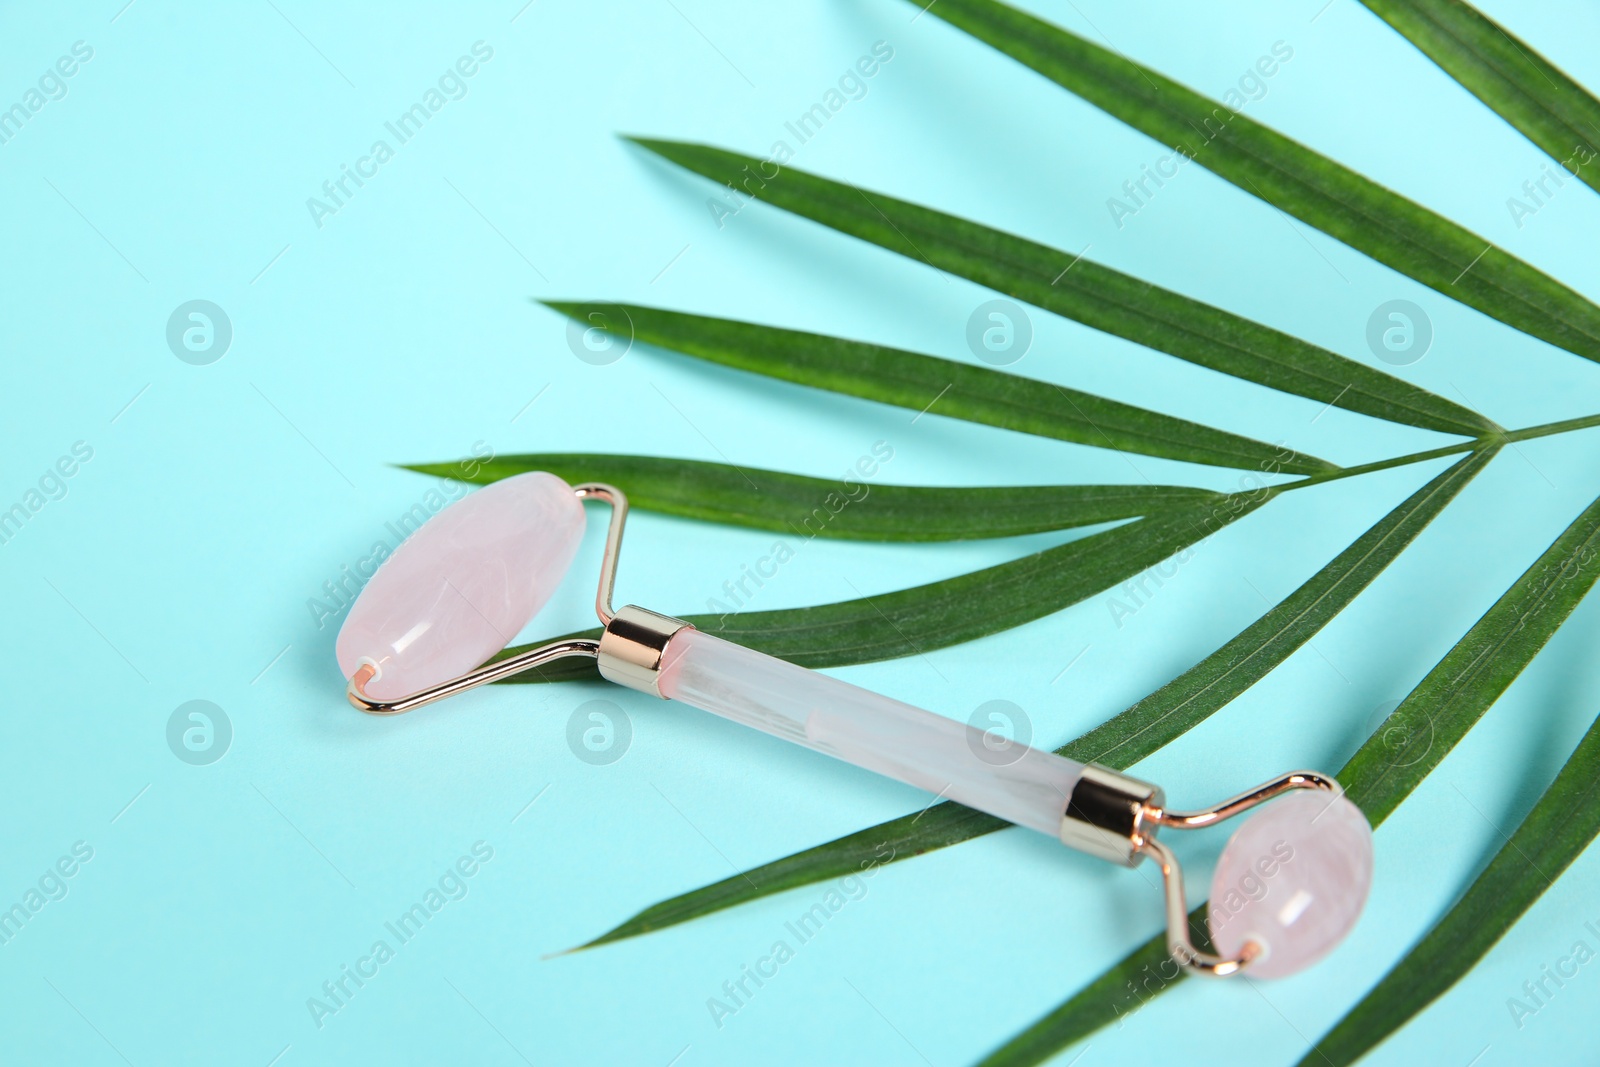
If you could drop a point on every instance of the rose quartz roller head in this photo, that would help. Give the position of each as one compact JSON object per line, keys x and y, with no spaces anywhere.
{"x":1288,"y":886}
{"x":458,"y":591}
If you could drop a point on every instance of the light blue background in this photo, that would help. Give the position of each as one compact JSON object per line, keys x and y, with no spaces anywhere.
{"x":221,"y":497}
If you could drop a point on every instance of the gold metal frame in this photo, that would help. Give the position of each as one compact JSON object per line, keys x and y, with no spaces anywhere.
{"x":1179,"y":944}
{"x":1116,"y":817}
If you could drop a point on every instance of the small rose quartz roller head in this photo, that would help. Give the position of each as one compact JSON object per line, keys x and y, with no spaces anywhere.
{"x":1288,"y":887}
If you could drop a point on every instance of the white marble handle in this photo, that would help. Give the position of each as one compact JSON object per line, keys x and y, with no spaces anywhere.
{"x":951,"y":759}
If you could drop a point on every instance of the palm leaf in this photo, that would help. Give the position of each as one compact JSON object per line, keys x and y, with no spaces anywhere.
{"x":1524,"y":88}
{"x":1213,"y":683}
{"x":1120,"y":991}
{"x":1436,"y":716}
{"x":1558,"y":829}
{"x":1083,"y":290}
{"x":1121,"y":742}
{"x":855,"y":509}
{"x":944,"y":387}
{"x":913,"y":621}
{"x":1313,"y":188}
{"x":1473,"y":674}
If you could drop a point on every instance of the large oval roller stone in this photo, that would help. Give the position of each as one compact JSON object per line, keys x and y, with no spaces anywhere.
{"x":458,"y":590}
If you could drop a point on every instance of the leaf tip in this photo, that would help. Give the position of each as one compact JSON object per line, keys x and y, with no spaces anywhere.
{"x":617,"y":934}
{"x":686,"y":154}
{"x":563,"y":952}
{"x":651,"y":144}
{"x":580,"y":309}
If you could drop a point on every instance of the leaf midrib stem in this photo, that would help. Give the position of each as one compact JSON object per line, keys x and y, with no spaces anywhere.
{"x":1471,"y":445}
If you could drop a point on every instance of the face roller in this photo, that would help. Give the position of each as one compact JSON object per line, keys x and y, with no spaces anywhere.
{"x":1289,"y":885}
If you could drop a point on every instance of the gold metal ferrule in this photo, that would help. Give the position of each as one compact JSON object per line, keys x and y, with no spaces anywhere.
{"x":1108,"y":815}
{"x":632,"y":645}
